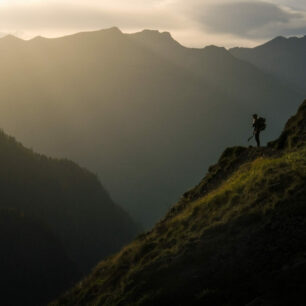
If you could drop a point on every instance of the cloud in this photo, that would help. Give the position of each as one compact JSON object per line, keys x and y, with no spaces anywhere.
{"x":193,"y":22}
{"x":64,"y":16}
{"x":252,"y":19}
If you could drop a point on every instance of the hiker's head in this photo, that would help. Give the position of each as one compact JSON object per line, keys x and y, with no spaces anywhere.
{"x":255,"y":116}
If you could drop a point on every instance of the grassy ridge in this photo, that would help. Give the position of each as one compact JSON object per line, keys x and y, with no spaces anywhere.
{"x":187,"y":246}
{"x":264,"y":178}
{"x":238,"y":237}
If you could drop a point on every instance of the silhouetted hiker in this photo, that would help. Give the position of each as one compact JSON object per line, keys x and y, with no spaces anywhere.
{"x":259,"y":124}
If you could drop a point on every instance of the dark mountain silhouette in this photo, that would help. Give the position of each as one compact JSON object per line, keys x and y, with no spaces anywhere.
{"x":33,"y":264}
{"x":237,"y":238}
{"x":144,"y":112}
{"x":282,"y":57}
{"x":68,"y":199}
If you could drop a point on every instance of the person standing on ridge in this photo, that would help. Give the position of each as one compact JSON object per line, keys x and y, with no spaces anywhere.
{"x":259,"y":124}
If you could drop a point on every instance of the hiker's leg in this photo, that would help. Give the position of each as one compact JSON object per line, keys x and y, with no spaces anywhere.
{"x":257,"y":139}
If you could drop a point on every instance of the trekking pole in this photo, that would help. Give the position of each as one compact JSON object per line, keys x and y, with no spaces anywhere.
{"x":251,"y":137}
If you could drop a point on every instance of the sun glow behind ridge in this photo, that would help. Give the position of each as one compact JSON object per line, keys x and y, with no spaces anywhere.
{"x":187,"y":21}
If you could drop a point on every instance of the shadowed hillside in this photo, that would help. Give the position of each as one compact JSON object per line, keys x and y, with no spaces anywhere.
{"x":68,"y":199}
{"x":282,"y":57}
{"x":33,"y":265}
{"x":238,"y":238}
{"x":131,"y":107}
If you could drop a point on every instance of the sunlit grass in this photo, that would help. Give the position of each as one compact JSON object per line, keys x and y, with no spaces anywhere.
{"x":246,"y":197}
{"x":254,"y":188}
{"x":253,"y":181}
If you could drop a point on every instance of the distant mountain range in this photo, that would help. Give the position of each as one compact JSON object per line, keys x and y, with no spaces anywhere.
{"x":145,"y":113}
{"x":284,"y":58}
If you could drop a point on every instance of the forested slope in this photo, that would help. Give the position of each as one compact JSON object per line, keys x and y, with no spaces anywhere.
{"x":69,"y":199}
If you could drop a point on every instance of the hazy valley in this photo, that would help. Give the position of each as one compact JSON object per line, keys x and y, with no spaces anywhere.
{"x":143,"y":112}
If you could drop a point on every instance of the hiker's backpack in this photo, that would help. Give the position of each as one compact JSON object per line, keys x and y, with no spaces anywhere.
{"x":261,"y":123}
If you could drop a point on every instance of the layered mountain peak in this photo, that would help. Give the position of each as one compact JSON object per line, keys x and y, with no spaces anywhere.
{"x":154,"y":38}
{"x":213,"y":51}
{"x":277,"y":40}
{"x":147,"y":33}
{"x":112,"y":30}
{"x":38,"y":38}
{"x":106,"y":35}
{"x":281,"y":57}
{"x":281,"y":42}
{"x":10,"y":39}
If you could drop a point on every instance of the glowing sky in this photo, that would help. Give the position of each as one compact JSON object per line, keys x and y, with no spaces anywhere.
{"x":191,"y":22}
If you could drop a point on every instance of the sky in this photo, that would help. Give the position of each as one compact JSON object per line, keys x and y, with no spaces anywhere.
{"x":194,"y":23}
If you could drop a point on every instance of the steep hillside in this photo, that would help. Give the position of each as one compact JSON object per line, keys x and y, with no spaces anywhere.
{"x":282,"y":57}
{"x":131,"y":107}
{"x":238,"y":238}
{"x":33,"y":264}
{"x":67,"y":198}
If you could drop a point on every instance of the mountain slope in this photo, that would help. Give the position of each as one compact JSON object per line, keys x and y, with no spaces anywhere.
{"x":68,"y":199}
{"x":33,"y":264}
{"x":282,"y":57}
{"x":239,"y":239}
{"x":131,"y":107}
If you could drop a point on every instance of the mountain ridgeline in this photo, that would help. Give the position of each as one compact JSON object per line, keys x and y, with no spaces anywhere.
{"x":131,"y":107}
{"x":237,"y":238}
{"x":56,"y":222}
{"x":281,"y":57}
